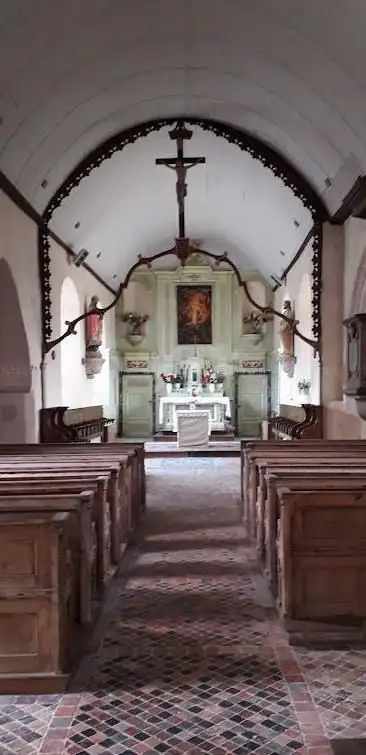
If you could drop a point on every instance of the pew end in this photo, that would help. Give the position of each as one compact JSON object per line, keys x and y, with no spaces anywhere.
{"x":322,"y":565}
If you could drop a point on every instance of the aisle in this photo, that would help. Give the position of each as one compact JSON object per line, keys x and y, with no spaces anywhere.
{"x":193,"y":659}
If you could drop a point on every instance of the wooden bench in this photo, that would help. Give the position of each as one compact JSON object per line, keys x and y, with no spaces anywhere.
{"x":134,"y":452}
{"x":297,"y":422}
{"x":59,"y":424}
{"x":322,"y":554}
{"x":32,"y":476}
{"x":303,"y":464}
{"x":37,"y":628}
{"x":249,"y":448}
{"x":120,"y":490}
{"x":322,"y":479}
{"x":257,"y":495}
{"x":273,"y":453}
{"x":48,"y":483}
{"x":80,"y":506}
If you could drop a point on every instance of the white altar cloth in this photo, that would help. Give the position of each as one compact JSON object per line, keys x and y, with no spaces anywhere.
{"x":218,"y":406}
{"x":193,"y":428}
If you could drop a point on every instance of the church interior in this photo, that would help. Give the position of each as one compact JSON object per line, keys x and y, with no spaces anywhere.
{"x":182,"y":377}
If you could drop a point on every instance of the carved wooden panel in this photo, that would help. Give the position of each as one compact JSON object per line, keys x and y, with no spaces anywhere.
{"x":326,"y":586}
{"x":322,"y":553}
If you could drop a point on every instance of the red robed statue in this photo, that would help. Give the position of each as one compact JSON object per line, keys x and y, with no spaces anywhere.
{"x":94,"y":327}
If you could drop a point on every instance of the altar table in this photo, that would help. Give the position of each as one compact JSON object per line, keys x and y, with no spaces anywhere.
{"x":218,"y":407}
{"x":193,"y":428}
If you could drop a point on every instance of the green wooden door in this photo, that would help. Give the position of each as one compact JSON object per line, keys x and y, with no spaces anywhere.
{"x":137,"y":405}
{"x":252,"y":403}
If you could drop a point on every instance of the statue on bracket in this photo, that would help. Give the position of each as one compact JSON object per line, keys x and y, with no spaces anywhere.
{"x":287,"y":338}
{"x":93,"y":340}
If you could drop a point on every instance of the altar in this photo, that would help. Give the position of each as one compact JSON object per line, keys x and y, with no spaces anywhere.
{"x":217,"y":406}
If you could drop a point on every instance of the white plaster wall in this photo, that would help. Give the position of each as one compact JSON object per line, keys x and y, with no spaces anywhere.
{"x":86,"y":391}
{"x":18,"y":246}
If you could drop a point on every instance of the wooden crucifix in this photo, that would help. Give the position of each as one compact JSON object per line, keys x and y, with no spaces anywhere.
{"x":180,"y":164}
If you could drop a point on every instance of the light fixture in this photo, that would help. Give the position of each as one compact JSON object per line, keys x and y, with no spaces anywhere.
{"x":44,"y":183}
{"x":80,"y":258}
{"x":77,"y":225}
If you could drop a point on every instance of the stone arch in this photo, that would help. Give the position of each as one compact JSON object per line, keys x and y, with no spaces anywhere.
{"x":71,"y":348}
{"x":15,"y":366}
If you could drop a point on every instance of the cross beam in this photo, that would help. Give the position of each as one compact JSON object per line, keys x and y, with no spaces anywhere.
{"x":180,"y":164}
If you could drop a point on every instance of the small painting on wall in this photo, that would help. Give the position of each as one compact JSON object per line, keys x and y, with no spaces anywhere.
{"x":194,"y":314}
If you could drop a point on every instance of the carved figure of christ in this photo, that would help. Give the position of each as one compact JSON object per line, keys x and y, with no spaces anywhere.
{"x":180,"y":164}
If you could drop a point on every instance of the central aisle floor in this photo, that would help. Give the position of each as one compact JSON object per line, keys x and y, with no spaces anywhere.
{"x":193,"y":659}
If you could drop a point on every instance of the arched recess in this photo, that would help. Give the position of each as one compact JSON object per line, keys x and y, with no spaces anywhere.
{"x":15,"y":366}
{"x":245,"y":142}
{"x":72,"y":378}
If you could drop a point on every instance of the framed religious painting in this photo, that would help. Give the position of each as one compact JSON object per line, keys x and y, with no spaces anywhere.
{"x":194,"y":314}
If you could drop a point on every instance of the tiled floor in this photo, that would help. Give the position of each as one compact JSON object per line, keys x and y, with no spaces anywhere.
{"x":192,"y":658}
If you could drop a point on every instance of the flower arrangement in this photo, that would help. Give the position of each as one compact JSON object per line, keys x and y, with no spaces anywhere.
{"x":253,"y":322}
{"x":169,"y":378}
{"x":135,"y":322}
{"x":219,"y":378}
{"x":208,"y":376}
{"x":304,"y":385}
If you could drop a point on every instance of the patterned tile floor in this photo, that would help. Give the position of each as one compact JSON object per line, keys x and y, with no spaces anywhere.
{"x":190,"y":657}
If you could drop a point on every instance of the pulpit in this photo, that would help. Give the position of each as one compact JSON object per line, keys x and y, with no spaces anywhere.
{"x":193,"y":428}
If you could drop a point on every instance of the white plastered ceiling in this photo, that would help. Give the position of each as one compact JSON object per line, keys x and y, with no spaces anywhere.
{"x":73,"y":73}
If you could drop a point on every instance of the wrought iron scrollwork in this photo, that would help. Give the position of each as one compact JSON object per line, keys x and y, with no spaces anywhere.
{"x":244,"y":141}
{"x":183,"y":252}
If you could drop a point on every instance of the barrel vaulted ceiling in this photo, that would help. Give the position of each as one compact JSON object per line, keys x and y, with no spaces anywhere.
{"x":74,"y":73}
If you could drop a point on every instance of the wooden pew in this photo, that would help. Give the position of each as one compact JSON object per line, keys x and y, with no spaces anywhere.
{"x":250,"y":447}
{"x":29,"y":474}
{"x":59,"y":424}
{"x":253,"y":458}
{"x":134,"y":452}
{"x":322,"y":554}
{"x":303,"y":464}
{"x":309,"y":460}
{"x":322,"y":479}
{"x":123,"y":447}
{"x":120,"y":516}
{"x":49,"y":484}
{"x":81,"y":508}
{"x":297,"y":422}
{"x":40,"y":641}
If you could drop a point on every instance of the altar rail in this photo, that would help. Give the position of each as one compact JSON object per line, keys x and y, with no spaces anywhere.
{"x":58,"y":424}
{"x":297,"y":422}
